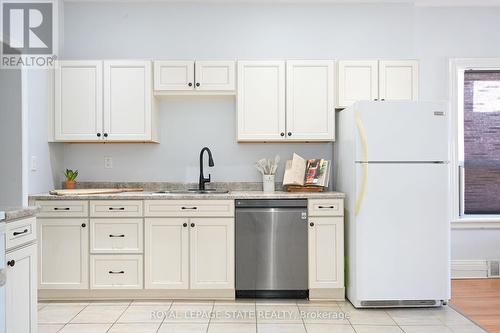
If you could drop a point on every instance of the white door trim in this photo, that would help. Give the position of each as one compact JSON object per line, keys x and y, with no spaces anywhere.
{"x":457,"y":68}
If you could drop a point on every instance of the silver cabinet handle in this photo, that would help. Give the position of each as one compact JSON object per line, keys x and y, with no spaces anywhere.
{"x":116,"y":272}
{"x":117,"y":236}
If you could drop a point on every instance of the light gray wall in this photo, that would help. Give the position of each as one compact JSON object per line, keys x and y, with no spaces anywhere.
{"x":194,"y":31}
{"x":48,"y":156}
{"x":242,"y":31}
{"x":11,"y":189}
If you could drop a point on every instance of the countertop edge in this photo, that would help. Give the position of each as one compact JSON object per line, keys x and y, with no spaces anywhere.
{"x":235,"y":195}
{"x":16,"y":213}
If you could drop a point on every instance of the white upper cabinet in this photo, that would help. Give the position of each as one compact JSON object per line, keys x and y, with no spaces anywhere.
{"x":104,"y":101}
{"x":174,"y":75}
{"x":310,"y":107}
{"x":358,"y":81}
{"x":209,"y":77}
{"x":127,"y":100}
{"x":214,"y":75}
{"x":261,"y":100}
{"x":398,"y":80}
{"x":365,"y":80}
{"x":78,"y":100}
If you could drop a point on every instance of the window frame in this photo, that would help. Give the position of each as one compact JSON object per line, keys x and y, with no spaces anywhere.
{"x":457,"y":72}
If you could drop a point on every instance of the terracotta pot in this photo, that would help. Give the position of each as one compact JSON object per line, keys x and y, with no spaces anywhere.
{"x":70,"y":184}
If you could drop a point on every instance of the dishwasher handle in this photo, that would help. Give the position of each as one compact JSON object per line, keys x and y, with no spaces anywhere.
{"x":271,"y":203}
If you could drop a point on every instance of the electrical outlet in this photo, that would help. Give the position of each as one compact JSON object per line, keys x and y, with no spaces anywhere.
{"x":108,"y":162}
{"x":34,"y":163}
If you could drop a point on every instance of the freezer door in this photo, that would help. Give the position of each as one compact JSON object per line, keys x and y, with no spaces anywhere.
{"x":401,"y":131}
{"x":402,"y":232}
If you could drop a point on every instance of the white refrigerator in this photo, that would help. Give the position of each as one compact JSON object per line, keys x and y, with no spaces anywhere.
{"x":392,"y":161}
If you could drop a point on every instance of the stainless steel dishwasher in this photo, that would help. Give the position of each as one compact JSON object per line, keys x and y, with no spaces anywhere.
{"x":271,"y":248}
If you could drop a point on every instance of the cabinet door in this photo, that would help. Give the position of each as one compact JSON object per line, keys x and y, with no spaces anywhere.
{"x":358,"y":81}
{"x":214,"y":75}
{"x":166,"y":253}
{"x":212,"y":253}
{"x":310,"y":109}
{"x":174,"y":75}
{"x":63,"y":253}
{"x":78,"y":101}
{"x":127,"y":100}
{"x":21,"y":291}
{"x":261,"y":100}
{"x":326,"y":252}
{"x":398,"y":80}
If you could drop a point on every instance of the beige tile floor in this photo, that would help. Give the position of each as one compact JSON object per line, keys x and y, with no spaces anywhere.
{"x":246,"y":316}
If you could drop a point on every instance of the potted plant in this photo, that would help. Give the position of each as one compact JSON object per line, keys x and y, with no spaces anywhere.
{"x":70,"y":178}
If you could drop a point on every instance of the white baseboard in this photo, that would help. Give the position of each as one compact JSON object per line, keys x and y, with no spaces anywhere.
{"x":469,"y":269}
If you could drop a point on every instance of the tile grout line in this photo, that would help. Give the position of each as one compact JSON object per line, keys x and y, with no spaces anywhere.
{"x":210,"y":318}
{"x":165,"y":316}
{"x":395,"y":322}
{"x":302,"y":318}
{"x":73,"y":317}
{"x":256,"y":322}
{"x":128,"y":306}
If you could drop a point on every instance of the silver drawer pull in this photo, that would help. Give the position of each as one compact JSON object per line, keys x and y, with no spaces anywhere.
{"x":17,"y":233}
{"x":61,"y":208}
{"x":116,"y":272}
{"x":117,"y":236}
{"x":116,"y":208}
{"x":193,"y":208}
{"x":322,"y":207}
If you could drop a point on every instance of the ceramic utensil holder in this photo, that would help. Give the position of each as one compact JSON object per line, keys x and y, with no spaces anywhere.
{"x":268,"y":183}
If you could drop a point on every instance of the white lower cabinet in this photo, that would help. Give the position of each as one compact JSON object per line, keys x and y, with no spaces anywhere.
{"x":116,"y":271}
{"x":189,"y":253}
{"x":212,"y":253}
{"x":166,"y":253}
{"x":63,"y":253}
{"x":122,"y":235}
{"x":326,"y":252}
{"x":21,"y":291}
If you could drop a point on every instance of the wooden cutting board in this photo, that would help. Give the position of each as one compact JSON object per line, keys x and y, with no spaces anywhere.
{"x":94,"y":191}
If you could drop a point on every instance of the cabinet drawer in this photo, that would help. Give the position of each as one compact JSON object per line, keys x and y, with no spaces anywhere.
{"x":326,"y":207}
{"x":111,"y":208}
{"x":63,"y":208}
{"x":20,"y":232}
{"x":116,"y":235}
{"x":116,"y":272}
{"x":189,"y":208}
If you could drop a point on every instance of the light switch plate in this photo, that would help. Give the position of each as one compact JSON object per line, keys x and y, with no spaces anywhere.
{"x":108,"y":162}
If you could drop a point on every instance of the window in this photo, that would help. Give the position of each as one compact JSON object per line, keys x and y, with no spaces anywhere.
{"x":480,"y":155}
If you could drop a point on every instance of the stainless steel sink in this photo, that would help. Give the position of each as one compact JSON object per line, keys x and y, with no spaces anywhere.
{"x":193,"y":191}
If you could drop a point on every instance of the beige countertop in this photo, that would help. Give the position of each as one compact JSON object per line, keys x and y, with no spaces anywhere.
{"x":15,"y":213}
{"x":232,"y":195}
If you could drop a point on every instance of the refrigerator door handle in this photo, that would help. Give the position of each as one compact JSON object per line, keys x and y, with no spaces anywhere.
{"x":364,"y":143}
